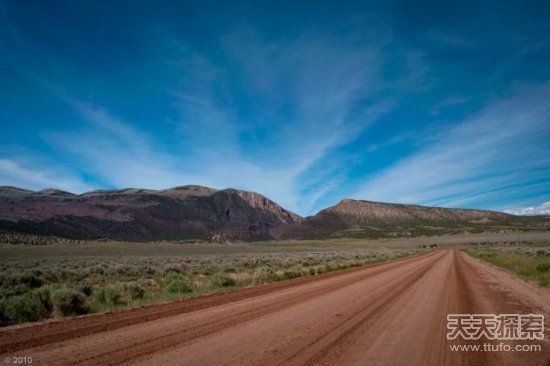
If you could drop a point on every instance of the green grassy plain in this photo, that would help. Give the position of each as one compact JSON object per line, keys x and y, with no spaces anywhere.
{"x":530,"y":263}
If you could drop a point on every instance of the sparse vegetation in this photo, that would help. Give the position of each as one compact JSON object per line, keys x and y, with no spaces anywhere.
{"x":38,"y":282}
{"x":175,"y":284}
{"x":543,"y":267}
{"x":529,"y":263}
{"x":22,"y":308}
{"x":221,"y":279}
{"x":69,"y":302}
{"x":16,"y":238}
{"x":134,"y":290}
{"x":107,"y":297}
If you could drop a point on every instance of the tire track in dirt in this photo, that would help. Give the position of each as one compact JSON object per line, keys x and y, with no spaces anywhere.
{"x":389,"y":314}
{"x":217,"y":319}
{"x":32,"y":335}
{"x":329,"y":345}
{"x":111,"y":354}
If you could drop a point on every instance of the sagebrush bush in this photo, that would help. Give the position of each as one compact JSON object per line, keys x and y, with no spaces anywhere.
{"x":134,"y":290}
{"x":221,"y":279}
{"x":69,"y":302}
{"x":45,"y":297}
{"x":289,"y":274}
{"x":108,"y":296}
{"x":22,"y":308}
{"x":264,"y":275}
{"x":174,"y":267}
{"x":32,"y":279}
{"x":175,"y":284}
{"x":86,"y":289}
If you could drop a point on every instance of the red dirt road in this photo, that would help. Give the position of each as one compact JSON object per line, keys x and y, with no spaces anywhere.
{"x":388,"y":314}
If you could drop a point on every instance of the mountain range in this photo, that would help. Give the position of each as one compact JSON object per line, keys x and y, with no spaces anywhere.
{"x":197,"y":212}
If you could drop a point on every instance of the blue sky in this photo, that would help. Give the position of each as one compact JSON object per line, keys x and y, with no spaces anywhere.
{"x":428,"y":102}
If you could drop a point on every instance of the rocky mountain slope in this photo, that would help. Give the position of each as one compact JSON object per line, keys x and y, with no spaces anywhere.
{"x":358,"y":218}
{"x":196,"y":212}
{"x":188,"y":212}
{"x":376,"y":213}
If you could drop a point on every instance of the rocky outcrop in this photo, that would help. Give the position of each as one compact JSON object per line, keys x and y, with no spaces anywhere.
{"x":187,"y":212}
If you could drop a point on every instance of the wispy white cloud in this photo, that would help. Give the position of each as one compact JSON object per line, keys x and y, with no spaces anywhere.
{"x":303,"y":91}
{"x":117,"y":153}
{"x":13,"y":173}
{"x":542,"y":209}
{"x":313,"y":94}
{"x":506,"y":137}
{"x":213,"y":148}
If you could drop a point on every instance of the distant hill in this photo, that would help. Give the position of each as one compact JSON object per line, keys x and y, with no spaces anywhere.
{"x":188,"y":212}
{"x":196,"y":212}
{"x":358,"y":218}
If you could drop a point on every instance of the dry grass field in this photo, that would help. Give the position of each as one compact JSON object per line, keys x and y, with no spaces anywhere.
{"x":66,"y":279}
{"x":38,"y":282}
